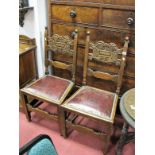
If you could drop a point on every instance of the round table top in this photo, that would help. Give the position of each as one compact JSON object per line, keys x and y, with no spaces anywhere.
{"x":127,"y":107}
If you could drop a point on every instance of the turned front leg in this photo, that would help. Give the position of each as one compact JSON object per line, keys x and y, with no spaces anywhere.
{"x":24,"y":104}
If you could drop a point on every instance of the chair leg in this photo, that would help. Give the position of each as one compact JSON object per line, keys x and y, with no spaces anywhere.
{"x":106,"y":145}
{"x":24,"y":103}
{"x":62,"y":122}
{"x":107,"y":140}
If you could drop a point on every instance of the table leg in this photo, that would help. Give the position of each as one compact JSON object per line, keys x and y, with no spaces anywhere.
{"x":122,"y":139}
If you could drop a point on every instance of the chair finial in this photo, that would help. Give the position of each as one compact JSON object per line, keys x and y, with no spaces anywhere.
{"x":88,"y":32}
{"x":127,"y":39}
{"x":76,"y":30}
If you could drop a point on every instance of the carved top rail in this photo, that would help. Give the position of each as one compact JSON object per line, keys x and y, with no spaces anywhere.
{"x":105,"y":52}
{"x":62,"y":44}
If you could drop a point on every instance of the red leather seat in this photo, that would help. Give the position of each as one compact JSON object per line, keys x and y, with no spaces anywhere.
{"x":50,"y":88}
{"x":94,"y":102}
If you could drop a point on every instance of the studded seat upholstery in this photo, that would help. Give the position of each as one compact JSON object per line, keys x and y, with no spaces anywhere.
{"x":50,"y":88}
{"x":94,"y":102}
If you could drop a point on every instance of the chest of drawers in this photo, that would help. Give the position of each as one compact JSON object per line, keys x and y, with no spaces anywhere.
{"x":108,"y":20}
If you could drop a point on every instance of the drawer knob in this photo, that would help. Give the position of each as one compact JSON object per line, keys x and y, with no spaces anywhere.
{"x":130,"y":21}
{"x":73,"y":14}
{"x":73,"y":34}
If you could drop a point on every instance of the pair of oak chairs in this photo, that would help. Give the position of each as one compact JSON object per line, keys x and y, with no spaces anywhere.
{"x":88,"y":107}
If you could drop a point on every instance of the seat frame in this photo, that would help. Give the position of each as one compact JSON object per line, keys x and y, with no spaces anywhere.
{"x":65,"y":111}
{"x":31,"y":105}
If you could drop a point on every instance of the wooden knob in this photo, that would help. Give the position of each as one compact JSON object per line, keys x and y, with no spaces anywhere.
{"x":130,"y":21}
{"x":73,"y":14}
{"x":76,"y":30}
{"x":126,"y":38}
{"x":88,"y":32}
{"x":73,"y":34}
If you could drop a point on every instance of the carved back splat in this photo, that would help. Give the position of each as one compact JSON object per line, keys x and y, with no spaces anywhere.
{"x":105,"y":52}
{"x":61,"y":44}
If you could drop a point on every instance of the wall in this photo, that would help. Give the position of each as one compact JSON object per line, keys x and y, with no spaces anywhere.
{"x":34,"y":24}
{"x":28,"y":28}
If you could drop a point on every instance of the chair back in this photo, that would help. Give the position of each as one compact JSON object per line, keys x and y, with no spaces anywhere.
{"x":105,"y":53}
{"x":61,"y":45}
{"x":40,"y":145}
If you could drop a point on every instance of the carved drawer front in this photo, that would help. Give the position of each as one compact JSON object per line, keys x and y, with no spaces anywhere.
{"x":74,"y":14}
{"x":118,"y":18}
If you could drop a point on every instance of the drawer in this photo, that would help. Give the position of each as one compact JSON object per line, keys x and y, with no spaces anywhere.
{"x":95,"y":34}
{"x":75,"y":14}
{"x":118,"y":18}
{"x":63,"y":30}
{"x":117,"y":2}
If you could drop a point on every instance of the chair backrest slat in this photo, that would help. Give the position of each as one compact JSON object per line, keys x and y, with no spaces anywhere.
{"x":102,"y":75}
{"x":60,"y":65}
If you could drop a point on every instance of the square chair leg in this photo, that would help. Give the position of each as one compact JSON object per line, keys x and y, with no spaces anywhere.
{"x":62,"y":122}
{"x":107,"y":140}
{"x":24,"y":103}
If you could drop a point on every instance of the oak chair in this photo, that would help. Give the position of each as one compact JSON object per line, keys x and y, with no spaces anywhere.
{"x":90,"y":106}
{"x":51,"y":89}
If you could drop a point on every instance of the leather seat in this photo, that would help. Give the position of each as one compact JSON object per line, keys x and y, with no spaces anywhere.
{"x":50,"y":88}
{"x":94,"y":102}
